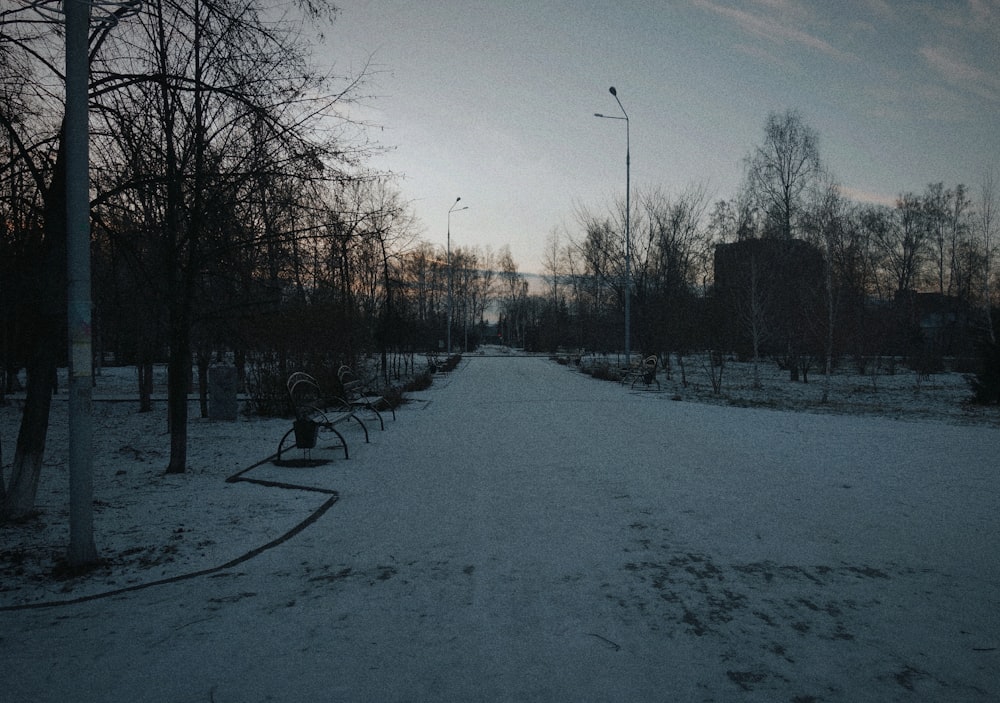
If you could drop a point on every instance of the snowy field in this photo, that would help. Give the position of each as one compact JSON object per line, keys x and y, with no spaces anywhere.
{"x":524,"y":532}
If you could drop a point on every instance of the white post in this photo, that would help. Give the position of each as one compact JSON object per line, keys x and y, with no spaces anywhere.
{"x":628,"y":227}
{"x":451,"y":210}
{"x":81,"y":486}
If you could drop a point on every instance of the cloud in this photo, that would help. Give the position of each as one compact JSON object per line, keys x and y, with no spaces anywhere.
{"x":976,"y":16}
{"x":773,"y":29}
{"x":960,"y":73}
{"x":982,"y":11}
{"x":865,"y":196}
{"x":882,"y":9}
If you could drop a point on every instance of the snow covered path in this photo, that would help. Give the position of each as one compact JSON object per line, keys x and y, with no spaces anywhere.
{"x":523,"y":532}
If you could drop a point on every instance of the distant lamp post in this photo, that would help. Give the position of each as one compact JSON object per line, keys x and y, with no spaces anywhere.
{"x":628,"y":234}
{"x":454,"y":208}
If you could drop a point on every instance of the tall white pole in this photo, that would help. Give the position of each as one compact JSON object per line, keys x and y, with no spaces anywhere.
{"x":628,"y":233}
{"x":450,"y":276}
{"x":448,"y":331}
{"x":628,"y":227}
{"x":81,"y":485}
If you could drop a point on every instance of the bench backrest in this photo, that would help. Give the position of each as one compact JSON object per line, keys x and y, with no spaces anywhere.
{"x":304,"y":392}
{"x":353,"y":385}
{"x":649,"y":365}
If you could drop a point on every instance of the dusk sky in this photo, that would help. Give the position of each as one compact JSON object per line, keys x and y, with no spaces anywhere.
{"x":494,"y":101}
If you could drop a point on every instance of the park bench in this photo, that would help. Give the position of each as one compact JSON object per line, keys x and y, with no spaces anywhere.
{"x":314,"y":412}
{"x":359,"y":396}
{"x":433,"y":363}
{"x":644,"y":372}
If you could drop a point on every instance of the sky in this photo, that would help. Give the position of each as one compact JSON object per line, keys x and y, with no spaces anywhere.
{"x":494,"y":102}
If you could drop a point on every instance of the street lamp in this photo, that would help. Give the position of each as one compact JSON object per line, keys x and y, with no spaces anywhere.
{"x":453,"y":208}
{"x":80,"y":17}
{"x":82,"y":549}
{"x":628,"y":234}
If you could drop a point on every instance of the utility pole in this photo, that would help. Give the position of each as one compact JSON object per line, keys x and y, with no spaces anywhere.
{"x":82,"y":550}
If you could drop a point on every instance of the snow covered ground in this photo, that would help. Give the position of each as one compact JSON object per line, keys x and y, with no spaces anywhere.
{"x":525,"y":532}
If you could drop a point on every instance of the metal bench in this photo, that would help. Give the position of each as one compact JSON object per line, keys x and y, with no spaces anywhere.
{"x":645,"y":372}
{"x":358,"y":395}
{"x":313,"y":413}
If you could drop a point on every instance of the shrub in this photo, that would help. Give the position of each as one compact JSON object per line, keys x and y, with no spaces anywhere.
{"x":419,"y":382}
{"x":393,"y":395}
{"x":985,"y":384}
{"x":451,"y":362}
{"x":267,"y":394}
{"x":604,"y":372}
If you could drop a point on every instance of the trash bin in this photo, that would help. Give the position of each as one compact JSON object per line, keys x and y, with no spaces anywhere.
{"x":305,"y":433}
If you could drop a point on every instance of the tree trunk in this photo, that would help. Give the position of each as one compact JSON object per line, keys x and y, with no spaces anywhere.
{"x":26,"y":470}
{"x":48,"y":302}
{"x":145,"y":369}
{"x":831,"y":312}
{"x":204,"y":361}
{"x":178,"y":375}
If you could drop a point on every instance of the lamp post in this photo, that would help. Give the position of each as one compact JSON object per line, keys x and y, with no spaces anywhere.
{"x":81,"y":487}
{"x":628,"y":234}
{"x":79,"y":20}
{"x":453,"y":208}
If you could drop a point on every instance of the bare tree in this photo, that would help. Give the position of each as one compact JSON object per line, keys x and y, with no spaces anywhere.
{"x":825,"y":224}
{"x":176,"y":93}
{"x":390,"y":230}
{"x":513,"y":294}
{"x":902,"y":236}
{"x":734,"y":220}
{"x":782,"y":169}
{"x":754,"y":312}
{"x":674,"y":262}
{"x":483,"y":286}
{"x":425,"y":282}
{"x":553,"y":264}
{"x":600,"y":255}
{"x":935,"y":203}
{"x":986,"y":224}
{"x":946,"y":213}
{"x":225,"y":89}
{"x":37,"y":150}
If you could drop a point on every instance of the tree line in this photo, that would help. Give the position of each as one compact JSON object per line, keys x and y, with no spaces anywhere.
{"x":789,"y":268}
{"x":233,"y":213}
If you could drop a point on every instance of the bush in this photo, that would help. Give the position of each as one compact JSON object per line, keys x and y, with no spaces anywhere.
{"x":604,"y":372}
{"x":419,"y":383}
{"x":985,"y":384}
{"x":267,"y":395}
{"x":451,"y":362}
